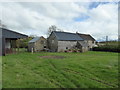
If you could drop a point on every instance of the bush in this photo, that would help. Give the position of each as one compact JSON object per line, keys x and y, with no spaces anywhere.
{"x":108,"y":48}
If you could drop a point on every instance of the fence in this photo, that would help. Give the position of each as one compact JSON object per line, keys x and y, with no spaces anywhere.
{"x":15,"y":50}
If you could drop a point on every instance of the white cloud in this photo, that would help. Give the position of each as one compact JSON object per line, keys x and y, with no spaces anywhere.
{"x":103,"y":21}
{"x":36,"y":17}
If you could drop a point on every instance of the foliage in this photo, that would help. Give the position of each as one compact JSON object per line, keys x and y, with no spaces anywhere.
{"x":112,"y":46}
{"x":77,"y":70}
{"x":23,"y":43}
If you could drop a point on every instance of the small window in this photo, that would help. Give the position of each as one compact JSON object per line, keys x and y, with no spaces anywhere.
{"x":42,"y":42}
{"x":52,"y":41}
{"x":44,"y":46}
{"x":66,"y":47}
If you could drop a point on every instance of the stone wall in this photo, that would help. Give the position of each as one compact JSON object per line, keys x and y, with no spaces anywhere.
{"x":38,"y":45}
{"x":90,"y":43}
{"x":64,"y":45}
{"x":53,"y":43}
{"x":30,"y":46}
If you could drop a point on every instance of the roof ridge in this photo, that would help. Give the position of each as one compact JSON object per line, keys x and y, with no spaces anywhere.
{"x":83,"y":34}
{"x":67,"y":36}
{"x":64,"y":32}
{"x":13,"y":31}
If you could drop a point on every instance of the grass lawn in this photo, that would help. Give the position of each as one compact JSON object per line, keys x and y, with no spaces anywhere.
{"x":76,"y":70}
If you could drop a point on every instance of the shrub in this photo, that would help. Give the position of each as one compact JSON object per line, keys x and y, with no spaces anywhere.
{"x":108,"y":48}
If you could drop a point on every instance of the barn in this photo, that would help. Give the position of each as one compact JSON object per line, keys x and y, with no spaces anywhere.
{"x":37,"y":44}
{"x":8,"y":39}
{"x":61,"y":41}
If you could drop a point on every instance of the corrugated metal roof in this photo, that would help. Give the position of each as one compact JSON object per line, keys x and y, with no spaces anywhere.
{"x":34,"y":39}
{"x":67,"y":36}
{"x":6,"y":33}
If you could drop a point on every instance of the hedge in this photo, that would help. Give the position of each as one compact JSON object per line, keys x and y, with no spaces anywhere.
{"x":108,"y":48}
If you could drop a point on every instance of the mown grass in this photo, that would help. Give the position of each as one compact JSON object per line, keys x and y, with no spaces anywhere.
{"x":77,"y":70}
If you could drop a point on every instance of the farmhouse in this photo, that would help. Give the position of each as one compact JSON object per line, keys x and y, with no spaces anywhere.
{"x":37,"y":44}
{"x":8,"y":39}
{"x":60,"y":41}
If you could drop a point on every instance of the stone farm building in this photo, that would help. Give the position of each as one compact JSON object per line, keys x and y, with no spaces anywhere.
{"x":37,"y":44}
{"x":60,"y":41}
{"x":88,"y":39}
{"x":8,"y":39}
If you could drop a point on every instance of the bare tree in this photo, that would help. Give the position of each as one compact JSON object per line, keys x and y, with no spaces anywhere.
{"x":53,"y":28}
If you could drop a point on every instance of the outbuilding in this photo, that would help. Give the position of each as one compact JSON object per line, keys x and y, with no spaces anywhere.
{"x":83,"y":46}
{"x":88,"y":39}
{"x":37,"y":44}
{"x":8,"y":40}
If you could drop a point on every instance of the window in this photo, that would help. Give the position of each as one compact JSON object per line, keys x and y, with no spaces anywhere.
{"x":42,"y":42}
{"x":52,"y":41}
{"x":66,"y":47}
{"x":44,"y":46}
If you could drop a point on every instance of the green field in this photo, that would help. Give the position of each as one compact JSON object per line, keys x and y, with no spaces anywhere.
{"x":72,"y":70}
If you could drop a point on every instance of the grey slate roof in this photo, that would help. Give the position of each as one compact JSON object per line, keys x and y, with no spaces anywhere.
{"x":6,"y":33}
{"x":66,"y":36}
{"x":34,"y":39}
{"x":86,"y":36}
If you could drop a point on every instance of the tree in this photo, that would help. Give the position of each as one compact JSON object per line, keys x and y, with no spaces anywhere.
{"x":23,"y":42}
{"x":50,"y":29}
{"x":53,"y":28}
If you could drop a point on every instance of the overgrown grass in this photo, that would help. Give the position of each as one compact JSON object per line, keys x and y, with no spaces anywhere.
{"x":77,"y":70}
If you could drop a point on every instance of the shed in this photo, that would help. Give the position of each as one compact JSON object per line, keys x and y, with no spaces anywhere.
{"x":37,"y":44}
{"x":8,"y":38}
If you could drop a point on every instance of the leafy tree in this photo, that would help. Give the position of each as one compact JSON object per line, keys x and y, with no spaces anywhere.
{"x":23,"y":43}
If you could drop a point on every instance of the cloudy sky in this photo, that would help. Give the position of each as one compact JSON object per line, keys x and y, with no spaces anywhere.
{"x":34,"y":18}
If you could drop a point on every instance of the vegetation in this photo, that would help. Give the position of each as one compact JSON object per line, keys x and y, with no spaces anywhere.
{"x":72,"y":70}
{"x":23,"y":43}
{"x":108,"y":48}
{"x":111,"y":46}
{"x":53,"y":28}
{"x":115,"y":43}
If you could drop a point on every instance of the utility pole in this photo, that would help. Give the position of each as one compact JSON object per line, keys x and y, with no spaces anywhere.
{"x":106,"y":40}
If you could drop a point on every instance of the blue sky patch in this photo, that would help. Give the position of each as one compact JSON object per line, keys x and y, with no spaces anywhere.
{"x":83,"y":18}
{"x":96,"y":4}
